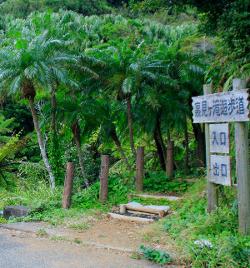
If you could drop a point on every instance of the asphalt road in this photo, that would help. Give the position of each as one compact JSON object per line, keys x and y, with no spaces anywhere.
{"x":24,"y":251}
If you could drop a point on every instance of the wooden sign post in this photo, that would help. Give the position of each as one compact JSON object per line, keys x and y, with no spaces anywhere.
{"x":242,"y":167}
{"x":212,"y":192}
{"x":211,"y":109}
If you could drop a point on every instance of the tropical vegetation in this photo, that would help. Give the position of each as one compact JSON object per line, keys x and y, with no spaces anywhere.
{"x":79,"y":79}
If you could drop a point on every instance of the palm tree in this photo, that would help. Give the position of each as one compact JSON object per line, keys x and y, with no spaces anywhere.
{"x":29,"y":63}
{"x":126,"y":67}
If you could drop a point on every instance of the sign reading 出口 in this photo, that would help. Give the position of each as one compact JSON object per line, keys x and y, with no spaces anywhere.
{"x":219,"y":138}
{"x":229,"y":106}
{"x":220,"y":172}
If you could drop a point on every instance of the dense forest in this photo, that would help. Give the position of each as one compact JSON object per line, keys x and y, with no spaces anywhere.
{"x":81,"y":79}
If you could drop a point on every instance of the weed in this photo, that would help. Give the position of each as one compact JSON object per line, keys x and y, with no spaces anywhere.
{"x":77,"y":241}
{"x":191,"y":222}
{"x":155,"y":255}
{"x":58,"y":238}
{"x":42,"y":233}
{"x":80,"y":226}
{"x":158,"y":182}
{"x":135,"y":256}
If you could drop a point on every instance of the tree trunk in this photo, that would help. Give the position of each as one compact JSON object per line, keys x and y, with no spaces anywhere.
{"x":68,"y":184}
{"x":186,"y":147}
{"x":170,"y":159}
{"x":139,"y":168}
{"x":200,"y":138}
{"x":130,"y":125}
{"x":161,"y":149}
{"x":41,"y":144}
{"x":103,"y":196}
{"x":119,"y":147}
{"x":76,"y":133}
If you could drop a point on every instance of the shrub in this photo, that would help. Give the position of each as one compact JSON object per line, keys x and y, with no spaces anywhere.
{"x":155,"y":255}
{"x":191,"y":222}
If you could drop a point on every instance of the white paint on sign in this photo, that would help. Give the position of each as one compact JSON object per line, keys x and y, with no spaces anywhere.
{"x":229,"y":106}
{"x":219,"y":138}
{"x":220,"y":171}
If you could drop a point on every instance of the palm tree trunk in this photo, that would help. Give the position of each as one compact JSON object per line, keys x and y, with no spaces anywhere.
{"x":170,"y":157}
{"x":41,"y":144}
{"x":200,"y":138}
{"x":186,"y":147}
{"x":119,"y":147}
{"x":76,"y":134}
{"x":130,"y":125}
{"x":160,"y":146}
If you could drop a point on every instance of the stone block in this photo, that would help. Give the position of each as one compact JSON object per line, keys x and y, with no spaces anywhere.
{"x":15,"y":211}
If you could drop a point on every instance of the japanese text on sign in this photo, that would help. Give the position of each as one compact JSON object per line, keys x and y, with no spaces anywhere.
{"x":220,"y":171}
{"x":219,"y":138}
{"x":221,"y":107}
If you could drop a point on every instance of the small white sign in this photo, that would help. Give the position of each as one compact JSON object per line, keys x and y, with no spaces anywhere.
{"x":219,"y":138}
{"x":229,"y":106}
{"x":220,"y":171}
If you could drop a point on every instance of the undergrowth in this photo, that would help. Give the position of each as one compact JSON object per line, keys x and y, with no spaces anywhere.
{"x":155,"y":255}
{"x":191,"y":225}
{"x":158,"y":182}
{"x":46,"y":206}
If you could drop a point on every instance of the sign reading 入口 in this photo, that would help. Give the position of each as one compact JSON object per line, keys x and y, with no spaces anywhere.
{"x":220,"y":172}
{"x":219,"y":138}
{"x":229,"y":106}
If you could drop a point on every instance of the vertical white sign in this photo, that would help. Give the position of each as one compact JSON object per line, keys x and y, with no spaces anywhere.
{"x":220,"y":172}
{"x":219,"y":138}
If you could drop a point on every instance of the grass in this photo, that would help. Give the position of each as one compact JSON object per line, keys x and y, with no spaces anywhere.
{"x":42,"y":233}
{"x":180,"y":231}
{"x":80,"y":226}
{"x":59,"y":238}
{"x":46,"y":206}
{"x":155,"y":255}
{"x":190,"y":223}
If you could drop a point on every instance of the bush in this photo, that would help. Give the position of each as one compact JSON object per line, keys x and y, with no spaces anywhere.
{"x":155,"y":255}
{"x":158,"y":182}
{"x":20,"y":8}
{"x":220,"y":229}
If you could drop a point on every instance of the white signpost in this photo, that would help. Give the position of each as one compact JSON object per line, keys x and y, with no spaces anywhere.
{"x":219,"y":138}
{"x":220,"y":172}
{"x":232,"y":106}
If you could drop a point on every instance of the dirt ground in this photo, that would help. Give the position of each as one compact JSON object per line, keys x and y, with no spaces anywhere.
{"x":22,"y":250}
{"x":103,"y":234}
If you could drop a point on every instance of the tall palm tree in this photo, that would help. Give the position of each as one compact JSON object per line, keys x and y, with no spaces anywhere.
{"x":126,"y":67}
{"x":29,"y":63}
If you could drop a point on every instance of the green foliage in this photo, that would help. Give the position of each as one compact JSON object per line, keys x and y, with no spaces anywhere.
{"x":237,"y":22}
{"x":20,"y":8}
{"x":29,"y":173}
{"x":192,"y":223}
{"x":89,"y":198}
{"x":147,"y":6}
{"x":158,"y":182}
{"x":19,"y":114}
{"x":55,"y":154}
{"x":155,"y":255}
{"x":95,"y":69}
{"x":5,"y":128}
{"x":38,"y":198}
{"x":45,"y":205}
{"x":8,"y":153}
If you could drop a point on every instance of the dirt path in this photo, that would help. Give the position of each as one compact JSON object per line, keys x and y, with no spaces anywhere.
{"x":110,"y":232}
{"x":19,"y":250}
{"x":103,"y":233}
